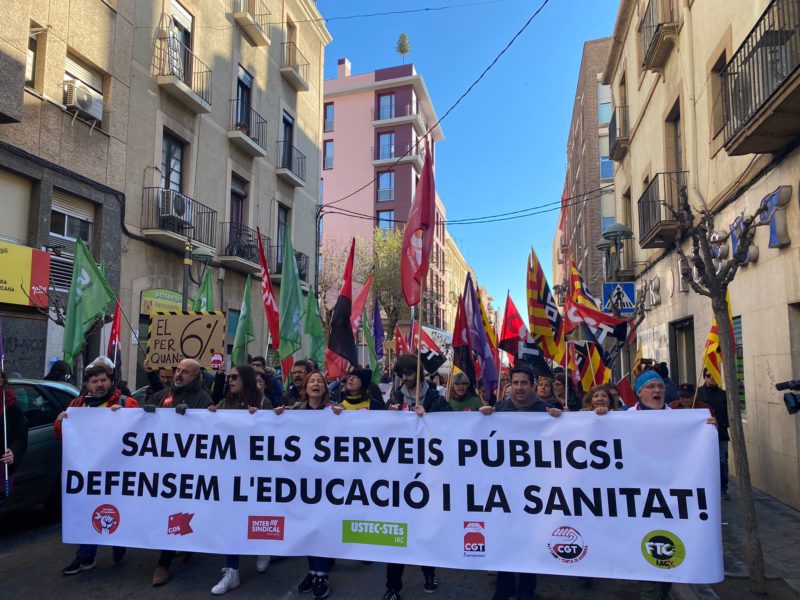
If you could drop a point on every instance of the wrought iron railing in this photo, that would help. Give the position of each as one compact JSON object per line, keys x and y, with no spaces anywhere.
{"x":294,"y":59}
{"x":387,"y":151}
{"x":276,"y":262}
{"x":257,"y":10}
{"x":657,"y":13}
{"x":248,"y":121}
{"x":392,"y":111}
{"x":385,"y":194}
{"x":618,"y":127}
{"x":659,"y":200}
{"x":291,"y":158}
{"x":766,"y":58}
{"x":241,"y":241}
{"x":175,"y":59}
{"x":169,"y":210}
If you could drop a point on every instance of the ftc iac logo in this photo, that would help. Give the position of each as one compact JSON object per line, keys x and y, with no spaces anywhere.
{"x":105,"y":519}
{"x":180,"y":524}
{"x":566,"y":544}
{"x":264,"y":528}
{"x":663,"y":549}
{"x":474,"y":540}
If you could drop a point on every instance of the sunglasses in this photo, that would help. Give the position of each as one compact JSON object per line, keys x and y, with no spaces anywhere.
{"x":233,"y":377}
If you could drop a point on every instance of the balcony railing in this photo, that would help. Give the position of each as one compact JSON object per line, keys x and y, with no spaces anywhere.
{"x":276,"y":262}
{"x":389,"y":151}
{"x":240,"y":241}
{"x":249,"y":122}
{"x":657,"y":208}
{"x":767,"y":58}
{"x":657,"y":31}
{"x":292,"y":159}
{"x":170,"y":211}
{"x":253,"y":16}
{"x":294,"y":59}
{"x":619,"y":133}
{"x":174,"y":59}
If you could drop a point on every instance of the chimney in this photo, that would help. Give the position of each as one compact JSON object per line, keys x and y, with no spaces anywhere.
{"x":343,"y":68}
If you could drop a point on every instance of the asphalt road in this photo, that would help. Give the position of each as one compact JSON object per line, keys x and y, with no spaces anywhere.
{"x":32,"y":556}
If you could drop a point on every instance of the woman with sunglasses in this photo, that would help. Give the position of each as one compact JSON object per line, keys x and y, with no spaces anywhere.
{"x":243,"y":394}
{"x":463,"y":397}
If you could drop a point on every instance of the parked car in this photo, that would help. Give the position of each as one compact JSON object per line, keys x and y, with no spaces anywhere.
{"x":37,"y":478}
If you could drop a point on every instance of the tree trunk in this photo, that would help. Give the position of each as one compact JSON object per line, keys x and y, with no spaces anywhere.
{"x":752,"y":539}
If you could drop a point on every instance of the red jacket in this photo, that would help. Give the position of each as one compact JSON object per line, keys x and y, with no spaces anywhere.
{"x":116,"y":398}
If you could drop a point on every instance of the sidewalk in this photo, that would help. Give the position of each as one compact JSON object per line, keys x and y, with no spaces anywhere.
{"x":779,"y":526}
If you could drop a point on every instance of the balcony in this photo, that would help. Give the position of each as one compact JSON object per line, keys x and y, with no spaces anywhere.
{"x":390,"y":154}
{"x":253,"y":17}
{"x":622,"y":265}
{"x":276,"y":263}
{"x":291,"y":164}
{"x":619,"y":133}
{"x":248,"y":129}
{"x":658,"y":225}
{"x":170,"y":218}
{"x":385,"y":116}
{"x":658,"y":33}
{"x":182,"y":75}
{"x":761,"y":84}
{"x":238,"y":248}
{"x":294,"y":67}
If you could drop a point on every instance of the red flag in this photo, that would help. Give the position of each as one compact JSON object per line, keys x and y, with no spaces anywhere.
{"x":115,"y":342}
{"x":358,"y":306}
{"x":626,"y":393}
{"x":513,"y":332}
{"x":286,"y":367}
{"x":270,"y":305}
{"x":418,"y":234}
{"x":342,"y":341}
{"x":400,"y":345}
{"x":462,"y":349}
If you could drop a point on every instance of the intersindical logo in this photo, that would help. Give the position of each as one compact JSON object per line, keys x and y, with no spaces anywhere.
{"x":265,"y":528}
{"x":375,"y":533}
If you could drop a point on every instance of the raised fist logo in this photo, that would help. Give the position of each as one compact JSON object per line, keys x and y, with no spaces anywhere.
{"x":105,"y":519}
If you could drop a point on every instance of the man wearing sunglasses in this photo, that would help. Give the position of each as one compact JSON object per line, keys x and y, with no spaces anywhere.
{"x":185,"y":392}
{"x":714,"y":396}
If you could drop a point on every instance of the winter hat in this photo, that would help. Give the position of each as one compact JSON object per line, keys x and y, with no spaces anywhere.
{"x":686,"y":389}
{"x":645,"y":378}
{"x":364,"y":375}
{"x":461,"y":377}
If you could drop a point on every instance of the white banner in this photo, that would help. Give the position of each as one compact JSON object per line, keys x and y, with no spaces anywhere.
{"x":631,"y":495}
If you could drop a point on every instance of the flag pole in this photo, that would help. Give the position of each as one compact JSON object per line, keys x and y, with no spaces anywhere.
{"x":5,"y":416}
{"x":419,"y":339}
{"x":591,"y":366}
{"x":566,"y":372}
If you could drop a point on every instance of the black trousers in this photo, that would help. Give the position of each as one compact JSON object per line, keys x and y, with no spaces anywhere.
{"x":394,"y":575}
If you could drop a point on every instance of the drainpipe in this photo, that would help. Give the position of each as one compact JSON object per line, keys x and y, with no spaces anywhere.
{"x":696,"y":200}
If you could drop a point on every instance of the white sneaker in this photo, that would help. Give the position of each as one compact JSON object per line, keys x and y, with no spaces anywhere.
{"x":229,"y":581}
{"x":262,"y":562}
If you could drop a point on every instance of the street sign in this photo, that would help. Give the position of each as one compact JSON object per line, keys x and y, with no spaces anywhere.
{"x":619,"y":296}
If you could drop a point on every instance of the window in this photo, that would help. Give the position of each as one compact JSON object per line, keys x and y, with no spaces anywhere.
{"x":386,"y":106}
{"x":386,"y":145}
{"x":30,"y":63}
{"x":606,"y":164}
{"x":283,"y":224}
{"x":385,"y":186}
{"x":244,"y":85}
{"x":738,"y":340}
{"x":70,"y":227}
{"x":681,"y":351}
{"x":328,"y":116}
{"x":171,"y":162}
{"x":716,"y":100}
{"x":603,"y":104}
{"x":673,"y":139}
{"x":71,"y":219}
{"x":287,"y":153}
{"x":327,"y":154}
{"x":607,"y":210}
{"x":386,"y":219}
{"x":83,"y":88}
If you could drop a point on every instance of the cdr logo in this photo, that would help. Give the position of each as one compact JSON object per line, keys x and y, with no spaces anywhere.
{"x":105,"y":519}
{"x":474,"y":540}
{"x":566,"y":544}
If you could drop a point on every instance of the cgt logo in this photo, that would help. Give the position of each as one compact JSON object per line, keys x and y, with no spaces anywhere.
{"x":663,"y":549}
{"x":179,"y":524}
{"x":566,"y":544}
{"x":105,"y":519}
{"x":474,"y":540}
{"x":265,"y":528}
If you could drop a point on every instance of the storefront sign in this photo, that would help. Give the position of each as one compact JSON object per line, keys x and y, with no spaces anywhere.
{"x":160,"y":300}
{"x":24,"y":275}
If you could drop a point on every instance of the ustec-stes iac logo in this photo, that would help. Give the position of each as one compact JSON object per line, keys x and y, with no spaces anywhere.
{"x":105,"y":519}
{"x":375,"y":533}
{"x":566,"y":544}
{"x":180,"y":524}
{"x":265,"y":528}
{"x":663,"y":549}
{"x":474,"y":540}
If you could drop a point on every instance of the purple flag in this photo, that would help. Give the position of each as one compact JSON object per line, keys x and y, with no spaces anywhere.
{"x":2,"y":352}
{"x":477,"y":338}
{"x":377,"y":329}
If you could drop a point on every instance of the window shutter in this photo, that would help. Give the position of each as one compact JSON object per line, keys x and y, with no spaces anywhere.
{"x":181,"y":15}
{"x":70,"y":205}
{"x":78,"y":70}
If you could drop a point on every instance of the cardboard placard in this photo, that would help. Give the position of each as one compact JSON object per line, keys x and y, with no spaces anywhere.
{"x":174,"y":336}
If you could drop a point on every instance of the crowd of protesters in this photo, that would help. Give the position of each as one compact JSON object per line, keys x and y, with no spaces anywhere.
{"x":256,"y":386}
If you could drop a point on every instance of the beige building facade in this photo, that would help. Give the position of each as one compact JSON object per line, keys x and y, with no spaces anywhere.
{"x":707,"y":89}
{"x":456,"y":270}
{"x":183,"y":124}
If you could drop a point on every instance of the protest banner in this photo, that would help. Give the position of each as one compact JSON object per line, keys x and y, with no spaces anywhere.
{"x":173,"y":336}
{"x":628,"y":495}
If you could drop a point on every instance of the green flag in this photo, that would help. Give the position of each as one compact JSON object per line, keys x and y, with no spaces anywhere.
{"x":373,"y":357}
{"x":312,"y":323}
{"x":244,"y":329}
{"x":291,"y":303}
{"x":204,"y":300}
{"x":89,"y":296}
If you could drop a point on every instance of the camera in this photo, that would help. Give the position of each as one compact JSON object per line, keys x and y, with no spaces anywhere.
{"x":791,"y":398}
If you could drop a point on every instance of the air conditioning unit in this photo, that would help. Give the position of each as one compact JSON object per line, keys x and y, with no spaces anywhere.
{"x":175,"y":207}
{"x":79,"y":96}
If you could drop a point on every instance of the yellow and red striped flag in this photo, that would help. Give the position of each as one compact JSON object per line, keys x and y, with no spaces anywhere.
{"x":712,"y":356}
{"x":546,"y":324}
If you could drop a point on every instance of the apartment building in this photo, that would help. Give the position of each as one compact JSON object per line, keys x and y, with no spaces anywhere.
{"x":374,"y":125}
{"x":704,"y":96}
{"x":456,"y":270}
{"x":587,"y":211}
{"x":187,"y":124}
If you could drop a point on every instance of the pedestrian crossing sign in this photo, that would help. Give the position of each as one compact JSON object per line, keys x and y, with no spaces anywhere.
{"x":619,"y":296}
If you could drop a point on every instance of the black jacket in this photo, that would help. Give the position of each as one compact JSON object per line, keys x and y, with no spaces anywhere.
{"x":717,"y":399}
{"x":192,"y":395}
{"x":432,"y":401}
{"x":509,"y":406}
{"x":17,"y":433}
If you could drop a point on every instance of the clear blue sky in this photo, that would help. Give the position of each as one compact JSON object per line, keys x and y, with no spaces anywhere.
{"x":505,"y":144}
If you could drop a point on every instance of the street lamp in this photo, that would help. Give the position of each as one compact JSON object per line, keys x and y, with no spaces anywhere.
{"x":617,"y":233}
{"x":604,"y":246}
{"x":202,"y":256}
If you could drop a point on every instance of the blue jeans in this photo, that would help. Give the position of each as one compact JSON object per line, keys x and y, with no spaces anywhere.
{"x":89,"y":551}
{"x":319,"y":565}
{"x":508,"y":586}
{"x":723,"y":466}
